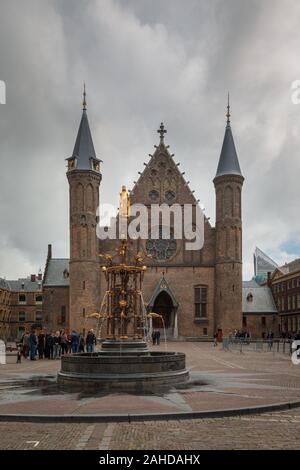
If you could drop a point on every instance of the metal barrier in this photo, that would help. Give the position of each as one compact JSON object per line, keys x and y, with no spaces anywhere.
{"x":282,"y":346}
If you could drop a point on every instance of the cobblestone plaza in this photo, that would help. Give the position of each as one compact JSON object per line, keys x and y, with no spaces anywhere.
{"x":220,"y":380}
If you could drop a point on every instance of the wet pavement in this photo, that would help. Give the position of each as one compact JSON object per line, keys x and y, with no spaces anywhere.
{"x":219,"y":380}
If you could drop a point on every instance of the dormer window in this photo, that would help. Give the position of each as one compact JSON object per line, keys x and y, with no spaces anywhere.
{"x":96,"y":165}
{"x":66,"y":274}
{"x":71,"y":164}
{"x":250,"y":297}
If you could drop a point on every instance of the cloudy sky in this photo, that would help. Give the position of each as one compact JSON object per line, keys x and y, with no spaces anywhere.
{"x":145,"y":61}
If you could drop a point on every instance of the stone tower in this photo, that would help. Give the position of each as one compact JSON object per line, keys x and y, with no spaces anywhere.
{"x":84,"y":179}
{"x":228,"y":266}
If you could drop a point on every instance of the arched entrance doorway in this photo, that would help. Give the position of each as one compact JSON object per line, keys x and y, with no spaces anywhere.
{"x":163,"y":302}
{"x":164,"y":306}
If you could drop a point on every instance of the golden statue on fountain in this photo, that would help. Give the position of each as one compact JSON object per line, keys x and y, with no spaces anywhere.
{"x":123,"y":309}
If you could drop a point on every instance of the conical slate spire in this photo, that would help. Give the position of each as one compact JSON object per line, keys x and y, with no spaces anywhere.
{"x":228,"y":162}
{"x":84,"y":151}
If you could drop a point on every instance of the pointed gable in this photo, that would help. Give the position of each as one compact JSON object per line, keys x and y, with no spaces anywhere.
{"x":161,"y":181}
{"x":162,"y":286}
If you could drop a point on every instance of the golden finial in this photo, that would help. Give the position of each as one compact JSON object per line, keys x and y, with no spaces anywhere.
{"x":84,"y":98}
{"x":228,"y":110}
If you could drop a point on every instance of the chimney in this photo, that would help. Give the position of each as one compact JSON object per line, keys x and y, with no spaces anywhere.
{"x":40,"y":275}
{"x":33,"y":277}
{"x":49,"y":256}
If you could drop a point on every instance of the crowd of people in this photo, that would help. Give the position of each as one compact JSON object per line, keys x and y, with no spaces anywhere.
{"x":55,"y":344}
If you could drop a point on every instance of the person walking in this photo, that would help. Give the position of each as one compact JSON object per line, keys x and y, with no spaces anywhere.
{"x":215,"y":339}
{"x":270,"y":338}
{"x":90,"y":341}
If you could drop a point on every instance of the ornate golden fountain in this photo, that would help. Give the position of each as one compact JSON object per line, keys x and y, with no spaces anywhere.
{"x":124,"y":362}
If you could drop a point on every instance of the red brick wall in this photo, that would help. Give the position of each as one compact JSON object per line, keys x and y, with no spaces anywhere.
{"x":54,"y":299}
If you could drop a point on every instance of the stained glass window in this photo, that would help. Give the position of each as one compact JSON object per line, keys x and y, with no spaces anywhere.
{"x":153,"y":195}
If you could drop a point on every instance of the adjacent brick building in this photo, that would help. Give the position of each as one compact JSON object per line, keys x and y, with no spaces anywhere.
{"x":260,"y":314}
{"x":285,"y":285}
{"x":5,"y":309}
{"x":26,"y":305}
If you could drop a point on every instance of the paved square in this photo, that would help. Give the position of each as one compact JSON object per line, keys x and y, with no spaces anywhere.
{"x":220,"y":380}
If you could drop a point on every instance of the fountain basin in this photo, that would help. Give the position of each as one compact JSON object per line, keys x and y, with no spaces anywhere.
{"x":132,"y":371}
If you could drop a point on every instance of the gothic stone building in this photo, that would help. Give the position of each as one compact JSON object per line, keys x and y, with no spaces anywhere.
{"x":197,"y":292}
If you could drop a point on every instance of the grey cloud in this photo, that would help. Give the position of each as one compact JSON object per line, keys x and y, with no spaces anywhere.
{"x":143,"y":62}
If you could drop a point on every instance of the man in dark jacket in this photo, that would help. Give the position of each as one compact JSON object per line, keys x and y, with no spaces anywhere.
{"x":90,"y":341}
{"x":74,"y":341}
{"x":50,"y":343}
{"x":41,"y":345}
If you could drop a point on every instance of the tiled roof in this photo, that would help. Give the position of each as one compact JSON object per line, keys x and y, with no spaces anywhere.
{"x":25,"y":284}
{"x":4,"y":284}
{"x":257,"y":299}
{"x":84,"y":148}
{"x":228,"y":162}
{"x":291,"y":267}
{"x":57,"y":272}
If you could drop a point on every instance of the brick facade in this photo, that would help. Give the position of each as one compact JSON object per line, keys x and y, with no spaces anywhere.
{"x":26,"y":304}
{"x":285,"y":287}
{"x":5,"y":310}
{"x":259,"y":324}
{"x":84,"y":256}
{"x":217,"y":267}
{"x":56,"y":308}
